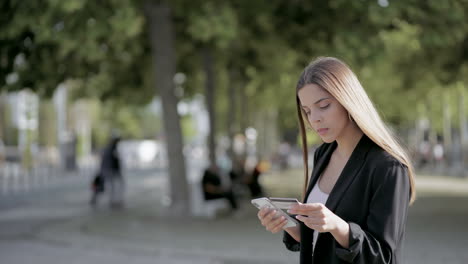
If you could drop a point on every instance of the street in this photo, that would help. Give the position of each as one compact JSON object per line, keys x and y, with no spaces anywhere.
{"x":56,"y":225}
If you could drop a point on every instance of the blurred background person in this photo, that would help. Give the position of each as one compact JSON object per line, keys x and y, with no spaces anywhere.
{"x":112,"y":173}
{"x":97,"y":188}
{"x":213,"y":189}
{"x":253,"y":182}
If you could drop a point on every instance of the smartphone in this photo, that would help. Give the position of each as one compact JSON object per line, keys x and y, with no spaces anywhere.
{"x":265,"y":202}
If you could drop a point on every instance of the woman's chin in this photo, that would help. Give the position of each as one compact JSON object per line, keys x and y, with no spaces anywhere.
{"x":327,"y":139}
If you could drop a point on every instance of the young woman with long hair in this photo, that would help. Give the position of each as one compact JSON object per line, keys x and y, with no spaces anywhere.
{"x":356,"y":200}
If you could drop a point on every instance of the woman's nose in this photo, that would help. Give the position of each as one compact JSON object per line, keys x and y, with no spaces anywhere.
{"x":315,"y":118}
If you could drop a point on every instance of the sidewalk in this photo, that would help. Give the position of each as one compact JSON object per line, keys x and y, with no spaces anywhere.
{"x":61,"y":228}
{"x":65,"y":230}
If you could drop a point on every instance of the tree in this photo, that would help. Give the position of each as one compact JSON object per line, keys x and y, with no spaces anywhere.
{"x":212,"y":27}
{"x":162,"y":43}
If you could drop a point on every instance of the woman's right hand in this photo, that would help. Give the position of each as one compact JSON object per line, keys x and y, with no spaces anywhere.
{"x":271,"y":221}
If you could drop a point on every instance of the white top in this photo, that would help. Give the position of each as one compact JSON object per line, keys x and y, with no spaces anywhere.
{"x":316,"y":196}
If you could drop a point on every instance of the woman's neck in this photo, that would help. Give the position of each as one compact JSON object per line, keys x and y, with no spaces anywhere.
{"x":348,"y":141}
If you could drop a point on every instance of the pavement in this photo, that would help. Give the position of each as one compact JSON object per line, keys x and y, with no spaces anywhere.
{"x":56,"y":225}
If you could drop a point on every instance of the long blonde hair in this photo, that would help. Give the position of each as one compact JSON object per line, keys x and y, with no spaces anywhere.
{"x":337,"y":78}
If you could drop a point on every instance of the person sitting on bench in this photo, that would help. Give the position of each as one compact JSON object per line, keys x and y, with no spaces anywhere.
{"x":212,"y":188}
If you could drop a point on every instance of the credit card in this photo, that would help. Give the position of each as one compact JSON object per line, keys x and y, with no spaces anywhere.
{"x":283,"y":203}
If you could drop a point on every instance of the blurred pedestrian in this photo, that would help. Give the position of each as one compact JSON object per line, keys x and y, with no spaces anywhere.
{"x":284,"y":150}
{"x":97,"y":187}
{"x":424,"y":153}
{"x":111,"y":173}
{"x":438,"y":152}
{"x":213,"y":189}
{"x":237,"y":177}
{"x":355,"y":203}
{"x":253,"y":182}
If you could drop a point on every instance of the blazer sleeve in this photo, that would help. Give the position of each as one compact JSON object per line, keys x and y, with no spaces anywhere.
{"x":385,"y":223}
{"x":290,"y":242}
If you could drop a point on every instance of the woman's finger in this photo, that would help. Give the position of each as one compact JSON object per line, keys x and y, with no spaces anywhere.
{"x":272,"y":226}
{"x":277,"y":221}
{"x":280,"y":226}
{"x":306,"y":209}
{"x":268,"y":218}
{"x":313,"y":223}
{"x":263,"y":213}
{"x":311,"y":219}
{"x":316,"y":218}
{"x":270,"y":215}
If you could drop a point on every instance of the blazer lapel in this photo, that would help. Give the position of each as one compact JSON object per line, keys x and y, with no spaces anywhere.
{"x":349,"y":172}
{"x":319,"y":167}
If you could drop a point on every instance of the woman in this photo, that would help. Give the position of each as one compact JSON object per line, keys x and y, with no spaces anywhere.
{"x":356,"y":200}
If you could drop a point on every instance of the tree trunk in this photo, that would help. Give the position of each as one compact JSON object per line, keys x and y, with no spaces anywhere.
{"x":243,"y":118}
{"x":3,"y":124}
{"x":266,"y":125}
{"x":210,"y":95}
{"x":231,"y":116}
{"x":463,"y":134}
{"x":162,"y":45}
{"x":447,"y":132}
{"x":244,"y":109}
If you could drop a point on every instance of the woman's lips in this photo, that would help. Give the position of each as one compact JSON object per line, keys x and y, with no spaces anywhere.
{"x":322,"y":131}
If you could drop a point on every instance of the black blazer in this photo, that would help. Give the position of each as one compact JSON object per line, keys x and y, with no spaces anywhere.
{"x":372,"y":194}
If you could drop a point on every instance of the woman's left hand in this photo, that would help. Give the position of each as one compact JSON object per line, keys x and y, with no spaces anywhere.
{"x":316,"y":216}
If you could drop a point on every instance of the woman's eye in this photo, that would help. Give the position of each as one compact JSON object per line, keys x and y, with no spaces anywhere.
{"x":325,"y":107}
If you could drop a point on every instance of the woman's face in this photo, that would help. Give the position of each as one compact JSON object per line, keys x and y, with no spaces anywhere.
{"x":325,"y":114}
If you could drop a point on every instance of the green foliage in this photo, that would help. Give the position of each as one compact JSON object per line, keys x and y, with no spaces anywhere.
{"x":407,"y":55}
{"x":213,"y":23}
{"x":312,"y":139}
{"x":188,"y":128}
{"x":99,"y":44}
